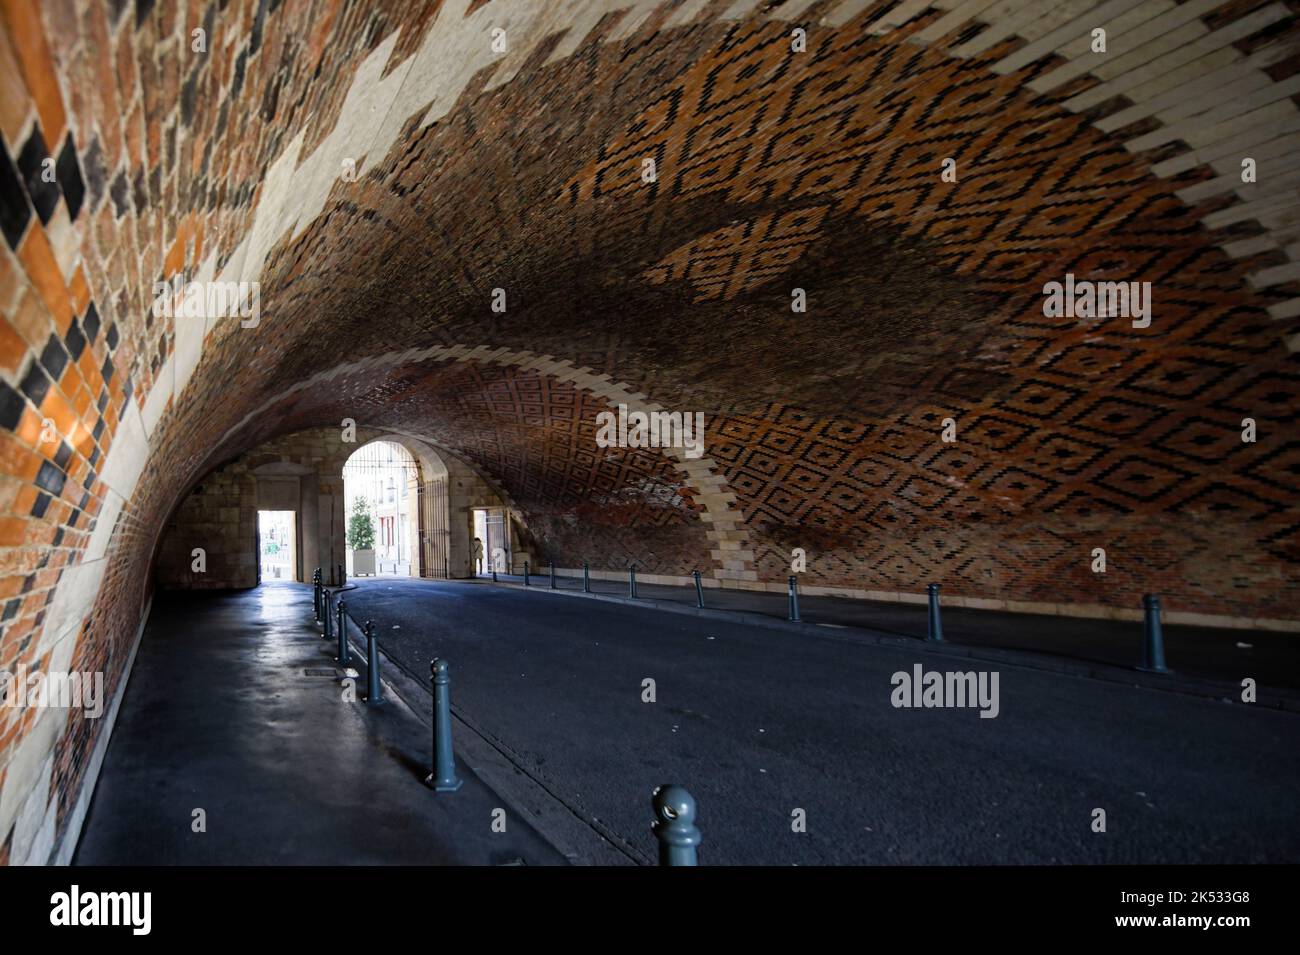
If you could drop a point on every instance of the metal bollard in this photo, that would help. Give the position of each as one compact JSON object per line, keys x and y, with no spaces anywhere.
{"x":373,"y":694}
{"x":343,"y":659}
{"x":443,"y":779}
{"x":1153,"y":637}
{"x":525,"y":573}
{"x":699,"y":591}
{"x":586,"y":579}
{"x":631,"y":581}
{"x":934,"y":626}
{"x":343,"y":575}
{"x":674,"y":825}
{"x":326,"y":628}
{"x":794,"y":598}
{"x":552,"y":575}
{"x":315,"y":592}
{"x":494,"y":573}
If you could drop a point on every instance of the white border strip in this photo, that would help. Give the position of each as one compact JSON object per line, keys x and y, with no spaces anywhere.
{"x":71,"y":837}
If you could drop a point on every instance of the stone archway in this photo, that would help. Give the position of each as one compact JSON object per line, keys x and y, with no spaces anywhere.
{"x":447,"y":490}
{"x":383,"y":478}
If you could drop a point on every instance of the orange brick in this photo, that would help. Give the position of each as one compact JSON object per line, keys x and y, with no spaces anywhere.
{"x":12,"y":282}
{"x":30,"y":427}
{"x":55,"y":407}
{"x":24,"y":499}
{"x":12,"y":348}
{"x":71,"y":382}
{"x":43,"y":272}
{"x":80,"y":291}
{"x":90,"y":371}
{"x":175,"y":260}
{"x":31,"y":319}
{"x":84,"y":442}
{"x":23,"y":20}
{"x":15,"y":101}
{"x":13,"y":531}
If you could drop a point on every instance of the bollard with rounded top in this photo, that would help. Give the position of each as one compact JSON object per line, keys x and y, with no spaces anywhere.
{"x":343,"y":658}
{"x":934,"y":625}
{"x":631,"y":581}
{"x":315,"y":591}
{"x":794,"y":598}
{"x":373,"y":694}
{"x":494,"y":573}
{"x":525,"y":573}
{"x":586,"y":578}
{"x":552,"y":575}
{"x":1153,"y":637}
{"x":343,"y":575}
{"x":325,"y":610}
{"x":699,"y":591}
{"x":674,"y":825}
{"x":443,"y":779}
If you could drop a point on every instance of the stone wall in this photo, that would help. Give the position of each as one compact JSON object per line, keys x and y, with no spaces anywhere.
{"x":219,"y":516}
{"x":300,"y":472}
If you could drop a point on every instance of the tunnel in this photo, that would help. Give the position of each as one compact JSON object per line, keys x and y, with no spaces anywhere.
{"x":710,"y":373}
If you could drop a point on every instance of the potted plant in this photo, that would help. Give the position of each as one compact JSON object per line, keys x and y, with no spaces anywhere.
{"x":361,"y":538}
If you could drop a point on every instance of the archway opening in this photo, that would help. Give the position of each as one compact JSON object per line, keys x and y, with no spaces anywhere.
{"x":381,"y":488}
{"x":277,"y":546}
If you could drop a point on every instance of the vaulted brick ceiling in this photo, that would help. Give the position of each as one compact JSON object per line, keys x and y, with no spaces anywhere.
{"x":776,"y":170}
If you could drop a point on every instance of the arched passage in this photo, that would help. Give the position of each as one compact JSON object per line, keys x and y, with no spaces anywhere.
{"x":820,"y":170}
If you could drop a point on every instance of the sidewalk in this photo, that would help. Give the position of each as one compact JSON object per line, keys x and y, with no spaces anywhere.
{"x":1193,"y":653}
{"x":234,"y":707}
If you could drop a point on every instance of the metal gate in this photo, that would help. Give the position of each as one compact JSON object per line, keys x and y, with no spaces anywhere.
{"x":435,"y":530}
{"x":498,"y":543}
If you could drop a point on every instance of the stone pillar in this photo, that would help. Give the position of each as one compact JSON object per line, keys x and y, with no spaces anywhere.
{"x":309,"y":527}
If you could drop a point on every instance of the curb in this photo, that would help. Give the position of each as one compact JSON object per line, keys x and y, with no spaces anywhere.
{"x":580,"y":840}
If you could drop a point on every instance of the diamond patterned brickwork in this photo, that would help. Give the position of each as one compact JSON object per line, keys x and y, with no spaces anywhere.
{"x":521,"y":171}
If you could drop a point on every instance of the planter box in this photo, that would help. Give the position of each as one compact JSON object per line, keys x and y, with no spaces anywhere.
{"x":363,"y":563}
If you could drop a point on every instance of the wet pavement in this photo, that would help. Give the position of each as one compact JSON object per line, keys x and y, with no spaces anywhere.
{"x":233,"y":709}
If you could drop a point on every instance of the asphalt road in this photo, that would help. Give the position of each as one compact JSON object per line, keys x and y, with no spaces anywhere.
{"x":757,"y":728}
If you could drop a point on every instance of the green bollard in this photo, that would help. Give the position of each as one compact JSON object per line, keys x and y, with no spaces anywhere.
{"x":586,"y":578}
{"x":631,"y":581}
{"x":1153,"y":637}
{"x":315,"y":592}
{"x":934,"y":626}
{"x":525,"y":573}
{"x":373,"y":694}
{"x":443,"y":779}
{"x":699,"y":591}
{"x":494,"y":573}
{"x":326,"y":610}
{"x":674,"y":825}
{"x":794,"y":598}
{"x":343,"y":658}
